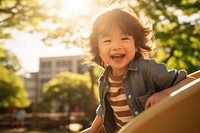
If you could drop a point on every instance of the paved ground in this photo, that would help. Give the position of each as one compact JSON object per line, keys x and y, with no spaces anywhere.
{"x":13,"y":130}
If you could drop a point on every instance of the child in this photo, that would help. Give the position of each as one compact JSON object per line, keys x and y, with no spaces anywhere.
{"x":130,"y":82}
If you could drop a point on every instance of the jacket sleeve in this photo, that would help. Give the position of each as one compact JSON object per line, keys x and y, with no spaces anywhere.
{"x":99,"y":110}
{"x":163,"y":78}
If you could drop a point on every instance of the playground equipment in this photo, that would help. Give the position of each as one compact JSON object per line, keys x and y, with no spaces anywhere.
{"x":178,"y":113}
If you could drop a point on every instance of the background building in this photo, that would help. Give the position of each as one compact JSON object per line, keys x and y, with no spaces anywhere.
{"x":31,"y":85}
{"x":48,"y":68}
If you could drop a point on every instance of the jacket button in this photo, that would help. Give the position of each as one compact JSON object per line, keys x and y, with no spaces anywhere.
{"x":136,"y":112}
{"x":129,"y":96}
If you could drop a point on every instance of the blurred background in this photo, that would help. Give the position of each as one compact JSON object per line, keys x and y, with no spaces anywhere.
{"x":44,"y":84}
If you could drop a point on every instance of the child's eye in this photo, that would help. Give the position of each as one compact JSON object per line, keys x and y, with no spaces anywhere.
{"x":106,"y":41}
{"x":125,"y":38}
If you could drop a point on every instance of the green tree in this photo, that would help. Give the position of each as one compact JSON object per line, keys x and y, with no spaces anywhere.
{"x":9,"y":60}
{"x":20,"y":14}
{"x":177,"y":31}
{"x":12,"y":90}
{"x":69,"y":89}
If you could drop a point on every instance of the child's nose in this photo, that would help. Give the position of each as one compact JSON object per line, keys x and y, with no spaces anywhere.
{"x":116,"y":45}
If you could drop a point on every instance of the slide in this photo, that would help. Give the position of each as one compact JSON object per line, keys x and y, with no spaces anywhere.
{"x":178,"y":113}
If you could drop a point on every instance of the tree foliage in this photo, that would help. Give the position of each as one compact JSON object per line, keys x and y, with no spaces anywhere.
{"x":9,"y":60}
{"x":19,"y":14}
{"x":177,"y":31}
{"x":12,"y":90}
{"x":68,"y":89}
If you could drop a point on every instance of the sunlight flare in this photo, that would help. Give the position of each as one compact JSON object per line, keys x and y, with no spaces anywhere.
{"x":75,"y":7}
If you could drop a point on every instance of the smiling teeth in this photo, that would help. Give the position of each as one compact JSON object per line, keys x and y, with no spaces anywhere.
{"x":117,"y":56}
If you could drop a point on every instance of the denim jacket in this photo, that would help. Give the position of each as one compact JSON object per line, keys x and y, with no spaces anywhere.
{"x":143,"y":78}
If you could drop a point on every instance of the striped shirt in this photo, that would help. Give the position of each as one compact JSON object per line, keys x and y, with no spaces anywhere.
{"x":118,"y":102}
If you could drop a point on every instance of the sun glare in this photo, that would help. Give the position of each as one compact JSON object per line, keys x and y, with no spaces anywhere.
{"x":75,"y":7}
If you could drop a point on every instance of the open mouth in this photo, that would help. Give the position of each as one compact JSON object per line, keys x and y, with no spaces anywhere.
{"x":117,"y":56}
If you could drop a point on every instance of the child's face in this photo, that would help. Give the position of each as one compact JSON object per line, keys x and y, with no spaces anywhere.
{"x":116,"y":49}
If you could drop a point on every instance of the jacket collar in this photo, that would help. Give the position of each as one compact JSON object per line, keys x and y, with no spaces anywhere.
{"x":133,"y":66}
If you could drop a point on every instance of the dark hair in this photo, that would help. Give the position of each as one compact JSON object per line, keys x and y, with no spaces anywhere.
{"x":129,"y":24}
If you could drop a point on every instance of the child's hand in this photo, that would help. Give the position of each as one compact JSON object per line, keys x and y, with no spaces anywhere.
{"x":155,"y":98}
